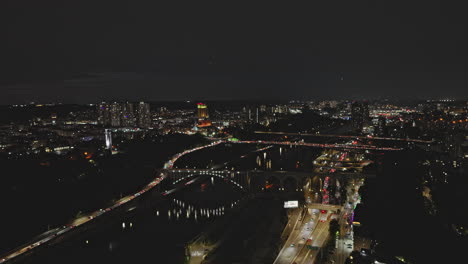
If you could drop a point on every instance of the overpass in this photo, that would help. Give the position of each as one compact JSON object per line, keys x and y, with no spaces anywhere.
{"x":321,"y":206}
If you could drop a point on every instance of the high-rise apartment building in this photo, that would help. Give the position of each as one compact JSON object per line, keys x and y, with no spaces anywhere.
{"x":359,"y":115}
{"x":103,"y":114}
{"x":115,"y":114}
{"x":144,"y":115}
{"x":381,"y":129}
{"x":124,"y":114}
{"x":253,"y":115}
{"x":128,"y":116}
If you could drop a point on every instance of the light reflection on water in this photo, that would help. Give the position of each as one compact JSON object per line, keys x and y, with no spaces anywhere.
{"x":277,"y":158}
{"x":181,"y":209}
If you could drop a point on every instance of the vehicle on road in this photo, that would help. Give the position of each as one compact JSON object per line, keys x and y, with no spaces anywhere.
{"x":309,"y":243}
{"x":323,"y":216}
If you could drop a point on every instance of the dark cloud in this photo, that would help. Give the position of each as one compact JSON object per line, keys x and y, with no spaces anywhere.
{"x":161,"y":52}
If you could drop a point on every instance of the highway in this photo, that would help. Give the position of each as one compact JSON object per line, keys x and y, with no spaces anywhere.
{"x":343,"y":250}
{"x":298,"y":237}
{"x":294,"y":215}
{"x":300,"y":253}
{"x":313,"y":230}
{"x":60,"y":231}
{"x":319,"y":238}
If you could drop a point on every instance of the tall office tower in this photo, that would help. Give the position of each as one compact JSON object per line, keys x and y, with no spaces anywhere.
{"x":359,"y":115}
{"x":202,"y":111}
{"x":128,"y":116}
{"x":144,"y":115}
{"x":103,"y":114}
{"x":115,"y":114}
{"x":108,"y":136}
{"x":381,"y":129}
{"x":202,"y":116}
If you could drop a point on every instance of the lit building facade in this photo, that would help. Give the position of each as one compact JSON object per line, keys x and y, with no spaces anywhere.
{"x":128,"y":116}
{"x":381,"y":129}
{"x":359,"y":115}
{"x":202,"y":111}
{"x":115,"y":114}
{"x":203,"y":116}
{"x":144,"y":115}
{"x":103,"y":114}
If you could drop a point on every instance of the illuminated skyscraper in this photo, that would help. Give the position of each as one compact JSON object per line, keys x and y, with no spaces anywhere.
{"x":202,"y":115}
{"x":144,"y":115}
{"x":202,"y":112}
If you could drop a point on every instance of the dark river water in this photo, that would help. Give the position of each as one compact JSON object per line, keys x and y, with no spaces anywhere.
{"x":252,"y":157}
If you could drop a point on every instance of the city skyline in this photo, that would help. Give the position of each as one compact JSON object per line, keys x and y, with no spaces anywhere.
{"x":332,"y":156}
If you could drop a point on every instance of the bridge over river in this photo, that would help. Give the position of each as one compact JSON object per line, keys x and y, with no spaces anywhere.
{"x":256,"y":180}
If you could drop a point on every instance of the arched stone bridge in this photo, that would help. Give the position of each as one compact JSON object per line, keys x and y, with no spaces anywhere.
{"x":255,"y":180}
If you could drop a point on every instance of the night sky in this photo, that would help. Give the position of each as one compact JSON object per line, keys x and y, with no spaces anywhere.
{"x":77,"y":52}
